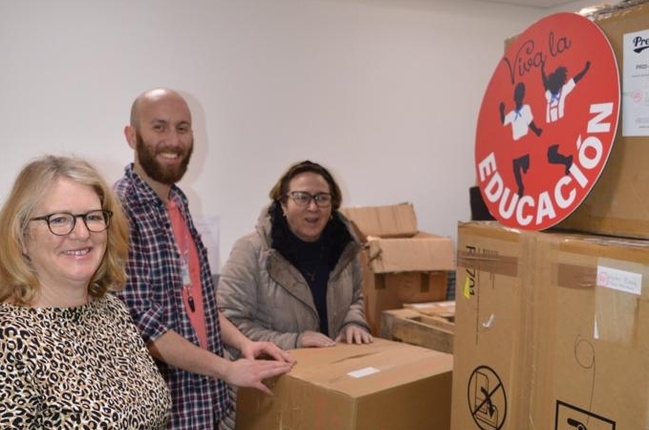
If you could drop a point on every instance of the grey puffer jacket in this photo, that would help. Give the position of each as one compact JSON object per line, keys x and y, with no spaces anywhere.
{"x":268,"y":299}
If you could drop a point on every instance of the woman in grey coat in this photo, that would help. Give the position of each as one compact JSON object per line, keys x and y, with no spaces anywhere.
{"x":296,"y":280}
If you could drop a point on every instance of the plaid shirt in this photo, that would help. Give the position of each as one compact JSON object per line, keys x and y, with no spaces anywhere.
{"x":153,"y":295}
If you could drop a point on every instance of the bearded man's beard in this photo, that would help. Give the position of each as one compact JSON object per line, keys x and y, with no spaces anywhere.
{"x":163,"y":174}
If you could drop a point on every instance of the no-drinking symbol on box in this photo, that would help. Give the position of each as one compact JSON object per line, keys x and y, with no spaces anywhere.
{"x":487,"y":399}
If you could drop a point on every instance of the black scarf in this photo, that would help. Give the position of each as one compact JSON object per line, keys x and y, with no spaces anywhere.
{"x":314,"y":260}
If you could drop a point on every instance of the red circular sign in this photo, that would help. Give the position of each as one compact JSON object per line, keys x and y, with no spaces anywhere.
{"x":547,"y":122}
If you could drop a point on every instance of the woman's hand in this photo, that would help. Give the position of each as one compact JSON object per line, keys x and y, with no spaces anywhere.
{"x":313,"y":339}
{"x":354,"y":334}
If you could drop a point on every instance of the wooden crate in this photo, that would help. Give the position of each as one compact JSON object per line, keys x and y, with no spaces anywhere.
{"x":430,"y":327}
{"x":444,"y":309}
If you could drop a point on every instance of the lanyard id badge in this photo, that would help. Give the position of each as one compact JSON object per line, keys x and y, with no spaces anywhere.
{"x":187,"y":283}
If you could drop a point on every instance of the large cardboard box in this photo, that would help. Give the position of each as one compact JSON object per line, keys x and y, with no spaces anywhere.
{"x":618,"y":204}
{"x":421,"y":252}
{"x":384,"y":385}
{"x":489,"y":347}
{"x":383,"y":221}
{"x":394,"y":241}
{"x":551,"y":331}
{"x":418,"y":287}
{"x":596,"y":342}
{"x":400,"y":263}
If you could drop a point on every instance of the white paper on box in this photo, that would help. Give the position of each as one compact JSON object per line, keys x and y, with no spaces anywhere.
{"x":635,"y":84}
{"x":361,"y":373}
{"x":621,"y":280}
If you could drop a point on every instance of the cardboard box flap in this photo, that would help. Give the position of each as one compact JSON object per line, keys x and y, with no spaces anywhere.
{"x":423,"y":252}
{"x":337,"y":389}
{"x":383,"y":221}
{"x":382,"y":367}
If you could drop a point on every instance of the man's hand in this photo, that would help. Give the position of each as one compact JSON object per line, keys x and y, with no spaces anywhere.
{"x":266,"y":350}
{"x":251,"y":373}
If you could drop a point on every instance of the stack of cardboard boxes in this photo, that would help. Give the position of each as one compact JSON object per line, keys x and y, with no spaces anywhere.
{"x":552,"y":328}
{"x":400,"y":263}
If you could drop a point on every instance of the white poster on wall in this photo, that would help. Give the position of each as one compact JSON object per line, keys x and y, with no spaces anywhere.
{"x":208,"y":227}
{"x":635,"y":84}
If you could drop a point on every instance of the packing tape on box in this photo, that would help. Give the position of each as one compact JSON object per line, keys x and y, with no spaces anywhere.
{"x":573,"y":276}
{"x":490,"y":262}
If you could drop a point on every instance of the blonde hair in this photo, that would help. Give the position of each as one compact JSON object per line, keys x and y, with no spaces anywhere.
{"x":18,"y":280}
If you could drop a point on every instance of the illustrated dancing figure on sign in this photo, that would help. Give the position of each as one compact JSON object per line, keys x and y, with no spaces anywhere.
{"x":556,"y":91}
{"x":557,"y":88}
{"x":521,"y":120}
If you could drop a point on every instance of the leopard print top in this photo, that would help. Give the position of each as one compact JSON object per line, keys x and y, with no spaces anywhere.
{"x":84,"y":367}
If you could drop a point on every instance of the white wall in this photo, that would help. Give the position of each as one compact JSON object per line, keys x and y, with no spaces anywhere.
{"x":383,"y":92}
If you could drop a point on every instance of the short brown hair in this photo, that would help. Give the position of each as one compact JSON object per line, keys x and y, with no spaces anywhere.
{"x":280,"y":189}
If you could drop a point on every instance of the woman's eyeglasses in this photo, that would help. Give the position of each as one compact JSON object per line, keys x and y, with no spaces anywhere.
{"x":302,"y":198}
{"x":63,"y":223}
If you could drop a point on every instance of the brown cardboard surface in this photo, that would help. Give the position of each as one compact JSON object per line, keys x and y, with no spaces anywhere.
{"x":394,"y":267}
{"x":618,"y":204}
{"x":383,"y":291}
{"x":422,"y":252}
{"x":416,"y":287}
{"x":564,"y":337}
{"x":489,"y":348}
{"x":384,"y":385}
{"x":383,"y":221}
{"x":591,"y":302}
{"x":377,"y":297}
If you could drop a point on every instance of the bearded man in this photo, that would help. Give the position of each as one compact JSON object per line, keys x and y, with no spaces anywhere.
{"x":170,"y":291}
